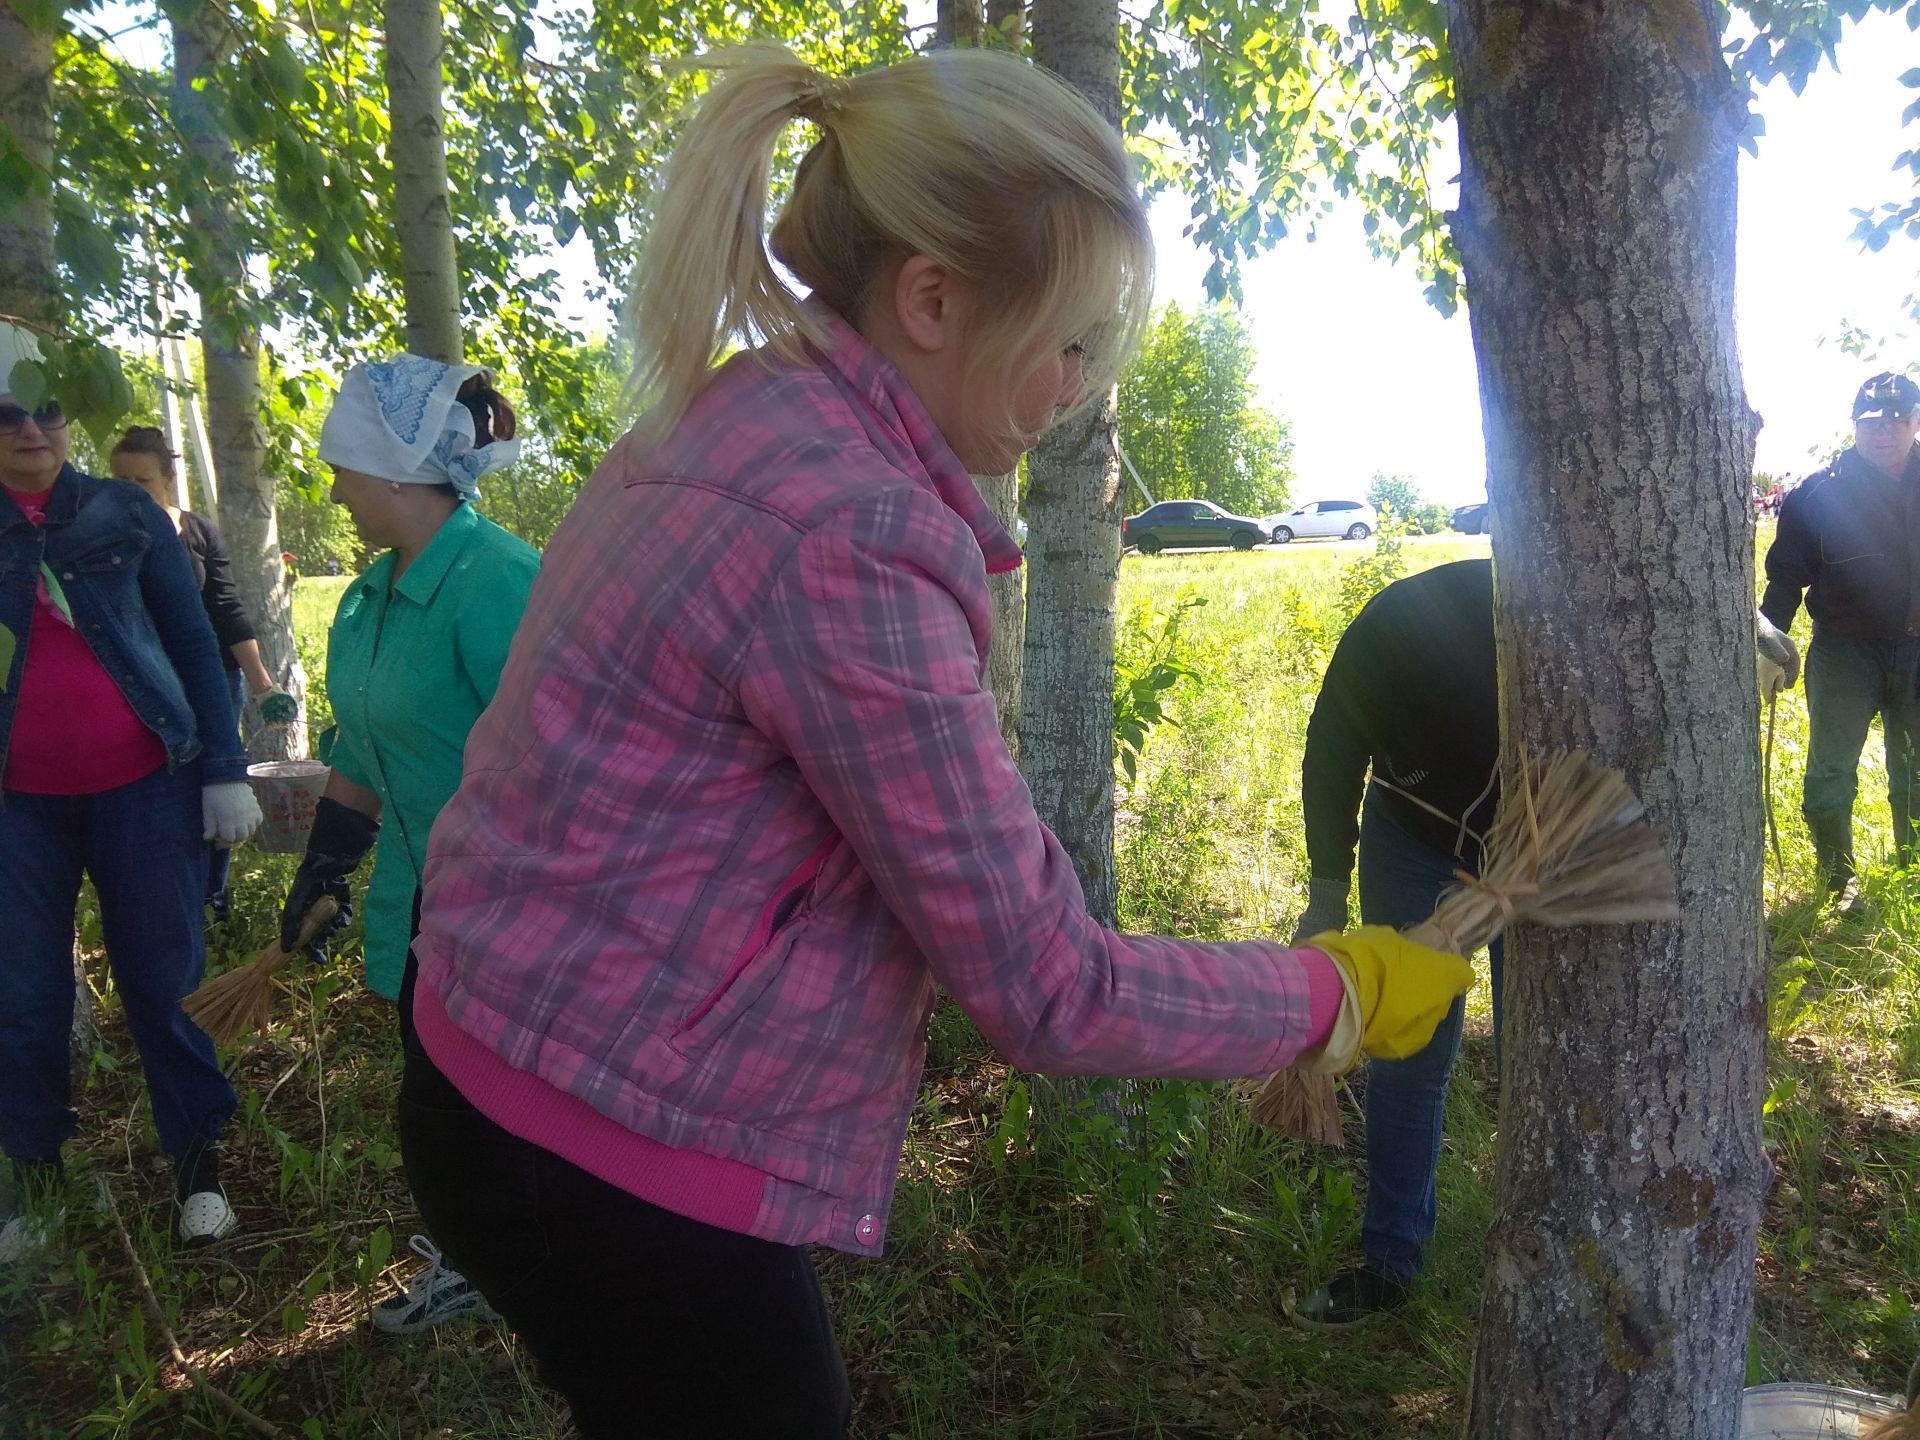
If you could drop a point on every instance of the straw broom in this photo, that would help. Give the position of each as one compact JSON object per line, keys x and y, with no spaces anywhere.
{"x":1569,"y":847}
{"x":240,"y":1001}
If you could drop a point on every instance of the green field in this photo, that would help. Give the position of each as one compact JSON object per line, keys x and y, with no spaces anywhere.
{"x":1044,"y":1279}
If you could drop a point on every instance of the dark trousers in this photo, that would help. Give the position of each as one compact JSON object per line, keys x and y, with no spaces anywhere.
{"x":651,"y":1325}
{"x":141,"y":844}
{"x":1849,"y":682}
{"x":219,"y":857}
{"x":1401,"y":880}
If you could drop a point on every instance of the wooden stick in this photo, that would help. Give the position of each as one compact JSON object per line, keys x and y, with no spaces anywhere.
{"x":196,"y":1376}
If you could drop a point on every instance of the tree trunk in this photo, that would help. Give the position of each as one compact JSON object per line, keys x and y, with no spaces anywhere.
{"x":29,"y":283}
{"x":230,"y":354}
{"x":956,"y":22}
{"x":1008,"y":19}
{"x":1073,"y":481}
{"x":1009,"y":591}
{"x":1597,"y":230}
{"x":429,"y":270}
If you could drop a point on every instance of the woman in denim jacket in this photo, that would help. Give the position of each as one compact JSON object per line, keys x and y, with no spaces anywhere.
{"x":119,"y":760}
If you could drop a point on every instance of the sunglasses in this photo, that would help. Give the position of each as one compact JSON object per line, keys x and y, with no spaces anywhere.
{"x":50,"y":416}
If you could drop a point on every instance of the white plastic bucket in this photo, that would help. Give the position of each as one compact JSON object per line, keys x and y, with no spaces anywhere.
{"x":1809,"y":1412}
{"x":287,"y":791}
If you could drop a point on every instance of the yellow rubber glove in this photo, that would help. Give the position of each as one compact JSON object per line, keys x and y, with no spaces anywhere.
{"x":1397,"y":994}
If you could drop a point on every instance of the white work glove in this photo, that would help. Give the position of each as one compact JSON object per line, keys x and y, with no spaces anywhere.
{"x":229,"y":812}
{"x":1776,"y":661}
{"x":1326,"y":910}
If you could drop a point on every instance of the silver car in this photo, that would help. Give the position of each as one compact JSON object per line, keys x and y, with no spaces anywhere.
{"x":1324,"y":520}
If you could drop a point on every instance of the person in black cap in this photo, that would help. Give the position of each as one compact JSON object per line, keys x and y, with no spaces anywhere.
{"x":1849,"y":538}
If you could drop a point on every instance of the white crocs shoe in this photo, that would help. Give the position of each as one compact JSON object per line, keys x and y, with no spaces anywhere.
{"x":438,"y":1293}
{"x":205,"y":1216}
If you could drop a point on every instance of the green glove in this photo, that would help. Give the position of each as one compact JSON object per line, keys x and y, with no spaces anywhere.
{"x":278,"y":708}
{"x":1397,"y":994}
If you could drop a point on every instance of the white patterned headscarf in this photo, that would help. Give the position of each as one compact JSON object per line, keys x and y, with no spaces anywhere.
{"x":402,"y":420}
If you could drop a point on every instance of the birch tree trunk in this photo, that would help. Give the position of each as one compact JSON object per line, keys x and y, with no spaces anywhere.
{"x":1073,"y":544}
{"x":230,"y":356}
{"x":29,"y":283}
{"x":956,"y":22}
{"x":429,"y":273}
{"x":1009,"y":592}
{"x":1597,"y":230}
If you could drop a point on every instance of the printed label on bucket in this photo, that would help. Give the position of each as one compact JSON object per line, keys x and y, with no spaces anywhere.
{"x":287,"y":791}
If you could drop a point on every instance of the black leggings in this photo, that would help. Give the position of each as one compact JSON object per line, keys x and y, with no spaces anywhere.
{"x":648,"y":1323}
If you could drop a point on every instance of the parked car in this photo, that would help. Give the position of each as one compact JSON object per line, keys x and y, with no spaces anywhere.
{"x":1471,"y":519}
{"x":1189,"y":525}
{"x":1324,"y":519}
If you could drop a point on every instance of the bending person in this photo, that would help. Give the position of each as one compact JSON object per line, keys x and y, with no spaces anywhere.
{"x":741,"y":804}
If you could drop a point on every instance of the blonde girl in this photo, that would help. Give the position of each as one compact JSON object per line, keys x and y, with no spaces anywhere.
{"x":741,"y":804}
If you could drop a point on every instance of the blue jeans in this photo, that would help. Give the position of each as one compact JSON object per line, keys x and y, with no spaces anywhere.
{"x":220,"y":857}
{"x":141,"y":844}
{"x":1401,"y":880}
{"x":1848,"y":683}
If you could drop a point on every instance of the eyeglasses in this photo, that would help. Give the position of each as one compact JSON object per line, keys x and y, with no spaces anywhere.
{"x":13,"y":418}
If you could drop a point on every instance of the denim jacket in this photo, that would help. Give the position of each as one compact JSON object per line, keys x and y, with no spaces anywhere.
{"x":129,"y":584}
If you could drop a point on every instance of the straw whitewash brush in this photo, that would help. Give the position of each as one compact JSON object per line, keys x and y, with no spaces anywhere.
{"x":241,"y":1001}
{"x":1570,"y":846}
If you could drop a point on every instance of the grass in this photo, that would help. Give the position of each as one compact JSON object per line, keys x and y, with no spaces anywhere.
{"x":1043,"y":1278}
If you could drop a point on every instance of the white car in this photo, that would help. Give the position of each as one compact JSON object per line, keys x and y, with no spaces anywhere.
{"x":1323,"y":520}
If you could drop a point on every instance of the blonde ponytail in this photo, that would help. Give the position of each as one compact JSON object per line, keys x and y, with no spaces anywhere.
{"x":995,"y":169}
{"x":706,"y":276}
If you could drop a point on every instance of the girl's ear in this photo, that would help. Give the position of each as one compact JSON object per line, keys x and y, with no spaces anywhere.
{"x":927,"y":303}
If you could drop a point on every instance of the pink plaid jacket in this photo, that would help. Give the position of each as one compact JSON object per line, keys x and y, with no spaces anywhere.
{"x":740,"y":804}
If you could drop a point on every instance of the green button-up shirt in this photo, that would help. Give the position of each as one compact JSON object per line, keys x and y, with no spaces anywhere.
{"x":410,"y":665}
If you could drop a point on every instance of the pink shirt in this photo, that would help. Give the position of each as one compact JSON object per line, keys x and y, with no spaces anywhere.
{"x":74,"y":733}
{"x":740,"y":806}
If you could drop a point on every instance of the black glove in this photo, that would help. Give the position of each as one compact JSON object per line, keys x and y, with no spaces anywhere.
{"x":339,"y":841}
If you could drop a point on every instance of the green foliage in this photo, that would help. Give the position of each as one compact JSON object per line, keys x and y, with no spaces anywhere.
{"x":1188,"y":419}
{"x":1263,"y":115}
{"x":1398,"y":493}
{"x":1367,"y":576}
{"x":1146,"y":666}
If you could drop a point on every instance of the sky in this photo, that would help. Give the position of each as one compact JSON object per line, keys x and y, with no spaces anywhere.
{"x":1331,"y":320}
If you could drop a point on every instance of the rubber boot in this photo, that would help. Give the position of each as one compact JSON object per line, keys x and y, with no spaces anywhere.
{"x":1834,"y":867}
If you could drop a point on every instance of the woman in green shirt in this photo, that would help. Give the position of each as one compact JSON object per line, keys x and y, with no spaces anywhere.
{"x":413,"y":657}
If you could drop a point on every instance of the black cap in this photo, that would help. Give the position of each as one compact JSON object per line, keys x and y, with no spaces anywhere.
{"x":1887,"y":394}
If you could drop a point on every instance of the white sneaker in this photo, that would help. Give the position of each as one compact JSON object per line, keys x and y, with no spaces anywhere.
{"x":438,"y":1293}
{"x":205,"y":1216}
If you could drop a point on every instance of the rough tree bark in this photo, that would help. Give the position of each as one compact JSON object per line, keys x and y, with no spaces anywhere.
{"x":29,"y":283}
{"x":429,"y":273}
{"x":1073,"y":544}
{"x":1597,"y":230}
{"x":230,"y":354}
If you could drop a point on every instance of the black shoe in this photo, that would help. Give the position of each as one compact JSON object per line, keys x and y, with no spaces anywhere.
{"x":1352,"y":1297}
